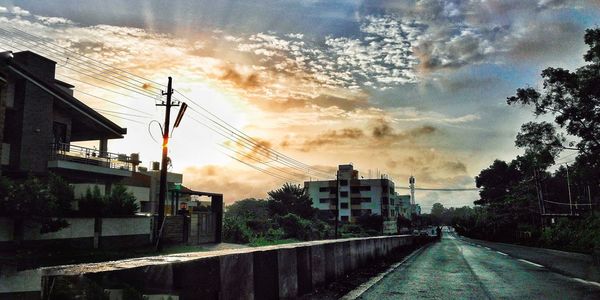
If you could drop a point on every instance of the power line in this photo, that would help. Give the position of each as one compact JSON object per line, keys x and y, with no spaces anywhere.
{"x":242,"y":137}
{"x":89,"y":62}
{"x":83,"y":71}
{"x":442,"y":189}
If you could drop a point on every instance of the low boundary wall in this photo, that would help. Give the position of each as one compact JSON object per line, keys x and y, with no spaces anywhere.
{"x":82,"y":233}
{"x":271,"y":272}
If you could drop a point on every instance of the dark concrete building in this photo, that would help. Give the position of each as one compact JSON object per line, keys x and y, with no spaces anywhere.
{"x":41,"y":121}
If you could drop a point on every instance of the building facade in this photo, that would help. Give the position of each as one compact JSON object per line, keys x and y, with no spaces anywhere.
{"x":42,"y":120}
{"x":349,"y":197}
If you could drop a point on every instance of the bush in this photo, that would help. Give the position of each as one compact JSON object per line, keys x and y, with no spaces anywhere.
{"x":34,"y":200}
{"x":119,"y":203}
{"x":92,"y":204}
{"x":236,"y":231}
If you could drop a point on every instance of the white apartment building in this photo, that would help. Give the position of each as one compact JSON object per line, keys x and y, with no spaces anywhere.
{"x":357,"y":196}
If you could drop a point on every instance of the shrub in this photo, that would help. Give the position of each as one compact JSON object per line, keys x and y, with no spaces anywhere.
{"x":92,"y":204}
{"x":121,"y":202}
{"x":236,"y":231}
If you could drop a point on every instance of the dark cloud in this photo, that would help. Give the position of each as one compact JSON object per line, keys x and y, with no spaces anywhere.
{"x":321,"y":101}
{"x":547,"y":40}
{"x":245,"y":81}
{"x":382,"y":131}
{"x":333,"y":137}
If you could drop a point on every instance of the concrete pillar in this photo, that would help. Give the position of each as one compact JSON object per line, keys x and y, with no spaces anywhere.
{"x":237,"y":276}
{"x":103,"y":147}
{"x":318,"y":265}
{"x":198,"y":279}
{"x":303,"y":260}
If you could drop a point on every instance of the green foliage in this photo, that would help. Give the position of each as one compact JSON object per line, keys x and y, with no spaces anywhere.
{"x":236,"y":231}
{"x":119,"y":203}
{"x":92,"y":203}
{"x":371,"y":222}
{"x":291,"y":199}
{"x":302,"y":229}
{"x":581,"y":235}
{"x":34,"y":200}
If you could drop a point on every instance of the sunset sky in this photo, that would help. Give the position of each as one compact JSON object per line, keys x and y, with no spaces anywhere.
{"x":396,"y":87}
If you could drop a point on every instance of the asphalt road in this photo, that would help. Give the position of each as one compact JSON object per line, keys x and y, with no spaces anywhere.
{"x":455,"y":269}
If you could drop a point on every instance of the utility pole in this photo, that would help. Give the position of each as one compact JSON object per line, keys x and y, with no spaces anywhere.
{"x":569,"y":189}
{"x":162,"y":193}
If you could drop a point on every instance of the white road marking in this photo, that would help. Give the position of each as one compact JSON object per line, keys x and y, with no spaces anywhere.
{"x":531,"y":263}
{"x":586,"y":281}
{"x":502,"y":253}
{"x":487,"y":248}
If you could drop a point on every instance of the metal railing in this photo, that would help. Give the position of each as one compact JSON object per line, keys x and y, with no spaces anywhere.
{"x":88,"y":156}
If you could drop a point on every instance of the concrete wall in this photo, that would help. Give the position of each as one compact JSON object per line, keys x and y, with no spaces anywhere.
{"x":126,"y":226}
{"x":271,"y":272}
{"x":78,"y":228}
{"x":82,"y":233}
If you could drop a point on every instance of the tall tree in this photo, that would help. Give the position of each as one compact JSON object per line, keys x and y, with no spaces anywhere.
{"x":573,"y":98}
{"x":290,"y":198}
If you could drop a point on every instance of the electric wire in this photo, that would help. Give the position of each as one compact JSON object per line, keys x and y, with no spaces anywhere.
{"x":285,"y":160}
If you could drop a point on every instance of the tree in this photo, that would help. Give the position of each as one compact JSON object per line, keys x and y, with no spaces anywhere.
{"x":252,"y":212}
{"x":572,"y":98}
{"x":371,"y":222}
{"x":36,"y":201}
{"x":292,"y":199}
{"x":250,"y":208}
{"x":437,"y":210}
{"x":92,"y":204}
{"x":120,"y":202}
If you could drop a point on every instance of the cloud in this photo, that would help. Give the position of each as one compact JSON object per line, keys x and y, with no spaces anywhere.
{"x":245,"y":81}
{"x":218,"y":179}
{"x":383,"y":131}
{"x":334,"y":137}
{"x":545,"y":40}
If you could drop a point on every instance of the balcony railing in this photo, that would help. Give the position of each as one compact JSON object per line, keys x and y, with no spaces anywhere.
{"x":88,"y":156}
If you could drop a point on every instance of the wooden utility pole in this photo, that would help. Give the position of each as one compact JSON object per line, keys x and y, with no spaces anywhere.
{"x":162,"y":193}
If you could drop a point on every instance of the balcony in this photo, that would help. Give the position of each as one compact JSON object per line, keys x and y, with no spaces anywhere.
{"x":76,"y":158}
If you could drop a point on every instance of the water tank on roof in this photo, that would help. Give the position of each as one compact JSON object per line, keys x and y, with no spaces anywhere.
{"x":155,"y":165}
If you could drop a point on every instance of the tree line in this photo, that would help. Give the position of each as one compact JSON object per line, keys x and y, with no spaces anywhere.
{"x":528,"y":200}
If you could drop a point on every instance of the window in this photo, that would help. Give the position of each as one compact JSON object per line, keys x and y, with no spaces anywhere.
{"x":344,"y":194}
{"x":356,"y":212}
{"x":324,"y":200}
{"x":356,"y":201}
{"x":367,"y":200}
{"x":344,"y":218}
{"x":344,"y":205}
{"x":358,"y":189}
{"x":323,"y":189}
{"x":344,"y":182}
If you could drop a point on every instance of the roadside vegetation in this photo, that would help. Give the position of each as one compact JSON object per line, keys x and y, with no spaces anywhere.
{"x":514,"y":194}
{"x":47,"y":202}
{"x":287,"y":216}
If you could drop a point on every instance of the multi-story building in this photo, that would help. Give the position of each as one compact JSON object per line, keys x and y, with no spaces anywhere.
{"x":356,"y":196}
{"x":42,"y":119}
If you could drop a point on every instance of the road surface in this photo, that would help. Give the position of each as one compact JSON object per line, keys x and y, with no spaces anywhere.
{"x":456,"y":269}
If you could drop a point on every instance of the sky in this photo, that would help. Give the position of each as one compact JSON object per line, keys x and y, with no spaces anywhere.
{"x":393,"y":87}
